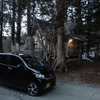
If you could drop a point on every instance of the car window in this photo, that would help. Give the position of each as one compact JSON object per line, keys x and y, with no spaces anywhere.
{"x":32,"y":61}
{"x":4,"y":59}
{"x":14,"y":61}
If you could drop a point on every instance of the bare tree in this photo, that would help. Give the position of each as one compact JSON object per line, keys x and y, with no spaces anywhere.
{"x":19,"y":24}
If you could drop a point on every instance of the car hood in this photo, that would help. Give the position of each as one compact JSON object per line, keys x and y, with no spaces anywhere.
{"x":47,"y":72}
{"x":44,"y":70}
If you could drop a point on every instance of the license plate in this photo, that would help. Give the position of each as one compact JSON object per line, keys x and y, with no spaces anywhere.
{"x":48,"y":85}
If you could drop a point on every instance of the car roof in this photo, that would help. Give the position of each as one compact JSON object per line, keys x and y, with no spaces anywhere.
{"x":11,"y":54}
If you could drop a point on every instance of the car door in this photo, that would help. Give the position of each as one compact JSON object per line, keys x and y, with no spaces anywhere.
{"x":18,"y":73}
{"x":4,"y":71}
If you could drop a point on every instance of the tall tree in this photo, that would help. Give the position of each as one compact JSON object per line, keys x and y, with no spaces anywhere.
{"x":28,"y":18}
{"x":1,"y":25}
{"x":13,"y":22}
{"x":60,"y":18}
{"x":19,"y":24}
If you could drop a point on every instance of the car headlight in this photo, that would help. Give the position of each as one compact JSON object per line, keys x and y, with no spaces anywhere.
{"x":38,"y":75}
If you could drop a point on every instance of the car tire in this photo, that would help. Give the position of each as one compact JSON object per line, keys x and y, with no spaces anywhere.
{"x":33,"y":88}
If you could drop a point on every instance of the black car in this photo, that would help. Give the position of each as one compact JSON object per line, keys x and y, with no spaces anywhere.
{"x":26,"y":72}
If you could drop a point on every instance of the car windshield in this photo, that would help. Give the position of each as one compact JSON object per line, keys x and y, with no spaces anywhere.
{"x":32,"y":61}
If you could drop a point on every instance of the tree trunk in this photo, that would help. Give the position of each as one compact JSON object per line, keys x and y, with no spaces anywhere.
{"x":60,"y":61}
{"x":13,"y":24}
{"x":19,"y":24}
{"x":1,"y":25}
{"x":28,"y":18}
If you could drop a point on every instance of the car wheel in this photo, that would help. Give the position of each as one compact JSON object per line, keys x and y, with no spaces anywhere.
{"x":33,"y":88}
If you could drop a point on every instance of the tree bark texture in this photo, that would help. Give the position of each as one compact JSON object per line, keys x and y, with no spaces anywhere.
{"x":60,"y":35}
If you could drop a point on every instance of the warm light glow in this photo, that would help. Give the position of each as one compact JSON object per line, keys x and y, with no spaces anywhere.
{"x":70,"y":40}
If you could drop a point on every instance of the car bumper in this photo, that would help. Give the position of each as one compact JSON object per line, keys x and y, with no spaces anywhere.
{"x":48,"y":83}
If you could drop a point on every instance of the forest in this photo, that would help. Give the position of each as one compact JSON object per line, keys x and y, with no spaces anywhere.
{"x":45,"y":19}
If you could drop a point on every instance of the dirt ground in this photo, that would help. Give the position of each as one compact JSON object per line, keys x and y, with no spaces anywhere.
{"x":88,"y":72}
